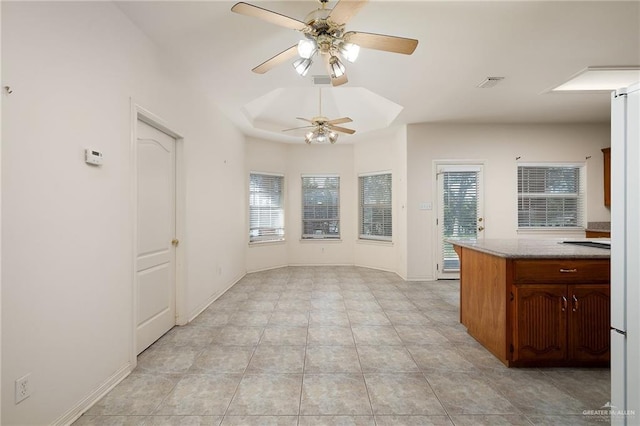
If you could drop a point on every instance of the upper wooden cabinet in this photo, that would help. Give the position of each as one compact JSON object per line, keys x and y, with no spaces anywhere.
{"x":607,"y":176}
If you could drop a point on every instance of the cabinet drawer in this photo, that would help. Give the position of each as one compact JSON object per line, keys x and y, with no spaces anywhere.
{"x":598,"y":234}
{"x":561,"y":271}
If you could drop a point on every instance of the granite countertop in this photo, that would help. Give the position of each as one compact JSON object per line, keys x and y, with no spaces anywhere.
{"x":534,"y":248}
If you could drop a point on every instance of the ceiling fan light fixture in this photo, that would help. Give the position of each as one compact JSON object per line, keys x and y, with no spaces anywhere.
{"x":302,"y":66}
{"x":337,"y":67}
{"x":308,"y":139}
{"x":321,"y":135}
{"x":307,"y":48}
{"x":349,"y":51}
{"x":321,"y":138}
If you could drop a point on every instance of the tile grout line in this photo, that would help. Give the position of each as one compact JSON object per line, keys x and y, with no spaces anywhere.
{"x":364,"y":379}
{"x":244,"y":372}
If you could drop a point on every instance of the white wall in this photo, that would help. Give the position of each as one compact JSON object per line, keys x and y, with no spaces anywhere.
{"x":379,"y":151}
{"x":269,"y":157}
{"x":294,"y":160}
{"x":385,"y":151}
{"x":1,"y":101}
{"x":498,"y":146}
{"x":67,"y":227}
{"x":321,"y":159}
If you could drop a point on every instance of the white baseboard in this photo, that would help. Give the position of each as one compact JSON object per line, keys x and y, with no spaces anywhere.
{"x":214,"y":297}
{"x":378,"y":269}
{"x":429,"y":278}
{"x":270,"y":268}
{"x":321,"y":264}
{"x":87,"y":402}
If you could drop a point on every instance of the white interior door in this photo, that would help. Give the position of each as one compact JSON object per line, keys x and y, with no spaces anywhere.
{"x":155,"y":253}
{"x":459,"y":212}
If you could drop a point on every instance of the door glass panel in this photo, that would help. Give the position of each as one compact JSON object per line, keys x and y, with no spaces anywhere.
{"x":459,"y":213}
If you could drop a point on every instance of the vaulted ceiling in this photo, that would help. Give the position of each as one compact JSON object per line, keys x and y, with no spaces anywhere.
{"x":534,"y":45}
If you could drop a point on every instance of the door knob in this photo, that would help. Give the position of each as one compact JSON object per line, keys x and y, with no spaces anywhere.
{"x":175,"y":242}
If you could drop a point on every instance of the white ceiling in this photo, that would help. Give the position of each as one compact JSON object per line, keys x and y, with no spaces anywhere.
{"x":535,"y":45}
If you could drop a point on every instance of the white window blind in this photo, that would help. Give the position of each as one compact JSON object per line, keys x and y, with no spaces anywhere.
{"x":459,"y":212}
{"x":550,"y":196}
{"x":320,"y":207}
{"x":266,"y":207}
{"x":375,"y":207}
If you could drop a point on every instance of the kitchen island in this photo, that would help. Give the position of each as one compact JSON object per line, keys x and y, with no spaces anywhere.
{"x":534,"y":302}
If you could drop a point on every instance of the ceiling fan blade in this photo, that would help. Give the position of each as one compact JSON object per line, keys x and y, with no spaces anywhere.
{"x":344,"y":10}
{"x":305,"y":119}
{"x":382,"y":42}
{"x":338,"y":81}
{"x":276,"y":60}
{"x":298,"y":128}
{"x":340,"y":120}
{"x":268,"y":15}
{"x":341,"y":129}
{"x":335,"y":81}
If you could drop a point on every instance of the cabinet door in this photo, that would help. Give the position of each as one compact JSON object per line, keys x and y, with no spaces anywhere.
{"x":589,"y":317}
{"x":540,"y":319}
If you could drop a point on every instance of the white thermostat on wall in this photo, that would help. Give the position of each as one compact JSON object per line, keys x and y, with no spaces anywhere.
{"x":91,"y":156}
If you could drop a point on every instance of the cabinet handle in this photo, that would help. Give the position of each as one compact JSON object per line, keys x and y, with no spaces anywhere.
{"x":575,"y":303}
{"x":564,"y":303}
{"x":568,"y":271}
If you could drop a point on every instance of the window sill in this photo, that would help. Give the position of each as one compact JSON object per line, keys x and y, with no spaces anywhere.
{"x":551,"y":231}
{"x":374,"y":242}
{"x":321,"y":240}
{"x":266,"y":243}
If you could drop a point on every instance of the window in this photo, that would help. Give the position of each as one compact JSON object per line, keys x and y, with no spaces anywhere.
{"x":266,"y":207}
{"x":550,"y":196}
{"x":375,"y":206}
{"x":320,"y":207}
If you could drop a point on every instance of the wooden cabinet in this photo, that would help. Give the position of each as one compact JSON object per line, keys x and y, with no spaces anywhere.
{"x":606,"y":152}
{"x":561,"y":312}
{"x":532,"y":312}
{"x":558,"y":324}
{"x":598,"y":234}
{"x":589,"y":323}
{"x":540,"y":323}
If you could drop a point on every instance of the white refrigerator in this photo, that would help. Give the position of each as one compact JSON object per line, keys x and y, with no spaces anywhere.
{"x":625,"y":256}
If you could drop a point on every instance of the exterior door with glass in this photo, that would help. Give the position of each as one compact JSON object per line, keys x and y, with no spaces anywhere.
{"x":460,"y":213}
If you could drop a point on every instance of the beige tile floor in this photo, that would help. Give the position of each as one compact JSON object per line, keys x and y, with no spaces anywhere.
{"x":339,"y":346}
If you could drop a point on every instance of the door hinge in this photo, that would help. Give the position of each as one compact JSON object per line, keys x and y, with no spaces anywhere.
{"x":437,"y":267}
{"x":511,"y":347}
{"x":511,"y":298}
{"x":437,"y":221}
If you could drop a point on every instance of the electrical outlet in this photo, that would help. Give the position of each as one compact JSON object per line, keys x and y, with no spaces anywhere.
{"x":23,"y":388}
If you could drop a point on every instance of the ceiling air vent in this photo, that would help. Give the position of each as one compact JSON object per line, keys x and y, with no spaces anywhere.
{"x":489,"y":82}
{"x":321,"y":79}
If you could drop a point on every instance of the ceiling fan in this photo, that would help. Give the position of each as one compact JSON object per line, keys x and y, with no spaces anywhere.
{"x":324,"y":34}
{"x":323,"y":129}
